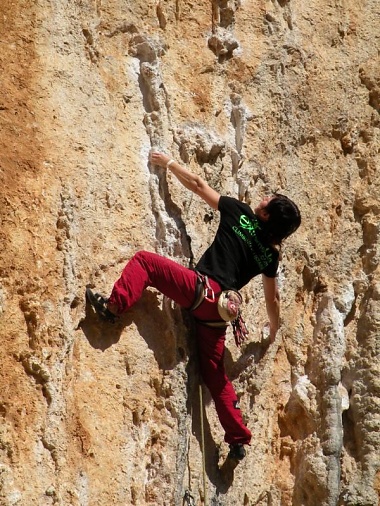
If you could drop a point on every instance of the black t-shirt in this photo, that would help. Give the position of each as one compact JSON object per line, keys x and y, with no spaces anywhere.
{"x":240,"y":249}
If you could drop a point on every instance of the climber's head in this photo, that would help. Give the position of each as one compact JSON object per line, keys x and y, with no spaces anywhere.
{"x":280,"y":215}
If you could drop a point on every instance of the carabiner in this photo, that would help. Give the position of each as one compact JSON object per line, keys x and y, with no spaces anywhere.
{"x":209,"y":292}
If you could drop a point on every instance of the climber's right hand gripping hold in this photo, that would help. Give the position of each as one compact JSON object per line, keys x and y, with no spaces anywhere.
{"x":188,"y":179}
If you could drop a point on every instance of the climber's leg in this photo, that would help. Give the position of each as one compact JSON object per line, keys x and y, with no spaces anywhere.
{"x":211,"y":352}
{"x":149,"y":269}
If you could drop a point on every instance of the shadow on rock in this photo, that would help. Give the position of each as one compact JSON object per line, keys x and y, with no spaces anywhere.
{"x":226,"y":471}
{"x":252,"y":354}
{"x":152,"y":324}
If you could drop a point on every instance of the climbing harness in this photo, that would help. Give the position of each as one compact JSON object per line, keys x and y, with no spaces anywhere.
{"x":229,"y":303}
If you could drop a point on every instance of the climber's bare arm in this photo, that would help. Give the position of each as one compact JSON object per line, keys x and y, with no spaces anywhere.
{"x":189,"y":180}
{"x":272,"y":302}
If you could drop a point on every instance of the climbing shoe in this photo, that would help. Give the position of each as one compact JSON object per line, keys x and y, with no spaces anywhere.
{"x":99,"y":303}
{"x":237,"y":452}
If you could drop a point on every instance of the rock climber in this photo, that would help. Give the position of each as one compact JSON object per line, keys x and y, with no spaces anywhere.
{"x":246,"y":244}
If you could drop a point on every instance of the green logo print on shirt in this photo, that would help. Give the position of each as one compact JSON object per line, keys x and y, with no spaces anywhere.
{"x":262,"y":255}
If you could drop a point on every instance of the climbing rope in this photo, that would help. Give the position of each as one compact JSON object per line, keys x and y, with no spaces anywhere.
{"x":201,"y":407}
{"x":190,"y":501}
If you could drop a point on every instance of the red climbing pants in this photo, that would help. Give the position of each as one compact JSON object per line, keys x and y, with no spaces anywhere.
{"x":178,"y":283}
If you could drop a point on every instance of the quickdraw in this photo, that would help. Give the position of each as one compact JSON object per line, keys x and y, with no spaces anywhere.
{"x":240,"y":330}
{"x":190,"y":501}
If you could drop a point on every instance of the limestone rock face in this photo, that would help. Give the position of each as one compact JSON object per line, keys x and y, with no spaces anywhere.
{"x":255,"y":97}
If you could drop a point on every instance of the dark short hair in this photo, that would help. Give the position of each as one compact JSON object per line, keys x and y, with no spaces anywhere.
{"x":284,"y":218}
